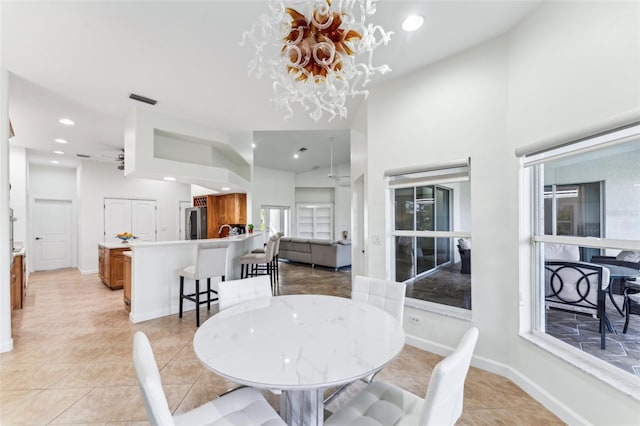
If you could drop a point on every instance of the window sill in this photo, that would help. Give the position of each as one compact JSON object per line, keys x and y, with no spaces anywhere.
{"x":614,"y":377}
{"x":436,"y":308}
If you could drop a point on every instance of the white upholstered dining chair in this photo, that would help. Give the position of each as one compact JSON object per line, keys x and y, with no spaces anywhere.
{"x":386,"y":295}
{"x":383,"y":294}
{"x":382,"y":403}
{"x":244,"y":406}
{"x":237,"y":291}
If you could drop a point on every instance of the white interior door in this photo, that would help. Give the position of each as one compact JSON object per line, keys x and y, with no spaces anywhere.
{"x":143,"y":220}
{"x":117,"y":218}
{"x":52,"y":234}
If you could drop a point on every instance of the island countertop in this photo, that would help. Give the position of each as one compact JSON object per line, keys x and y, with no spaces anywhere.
{"x":134,"y":244}
{"x":156,"y":266}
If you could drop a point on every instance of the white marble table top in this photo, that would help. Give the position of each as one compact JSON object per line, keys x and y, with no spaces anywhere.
{"x":298,"y":341}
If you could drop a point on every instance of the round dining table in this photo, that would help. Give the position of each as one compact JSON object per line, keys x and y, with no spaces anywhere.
{"x":299,"y":345}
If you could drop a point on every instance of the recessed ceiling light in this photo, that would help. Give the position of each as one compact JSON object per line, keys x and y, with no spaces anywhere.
{"x":226,"y":188}
{"x":412,"y":22}
{"x":58,"y":152}
{"x":253,"y":145}
{"x":66,"y":121}
{"x":60,"y":140}
{"x":295,"y":156}
{"x":54,"y":162}
{"x":170,"y":178}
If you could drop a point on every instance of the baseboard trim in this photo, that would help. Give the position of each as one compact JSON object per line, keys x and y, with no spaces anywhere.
{"x":87,"y":271}
{"x":6,"y":345}
{"x":535,"y":391}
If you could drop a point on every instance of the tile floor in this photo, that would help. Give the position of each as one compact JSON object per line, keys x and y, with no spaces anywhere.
{"x":72,"y":359}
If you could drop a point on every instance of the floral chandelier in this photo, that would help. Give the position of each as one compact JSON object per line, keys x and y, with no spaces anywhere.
{"x":309,"y":49}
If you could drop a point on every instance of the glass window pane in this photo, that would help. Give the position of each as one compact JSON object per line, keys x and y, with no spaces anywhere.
{"x":588,"y":194}
{"x":404,"y":258}
{"x":404,"y":209}
{"x":444,"y":284}
{"x":443,"y":250}
{"x":443,"y":209}
{"x":426,"y":254}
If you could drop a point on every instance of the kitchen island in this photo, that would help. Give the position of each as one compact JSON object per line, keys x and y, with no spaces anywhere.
{"x":155,"y":267}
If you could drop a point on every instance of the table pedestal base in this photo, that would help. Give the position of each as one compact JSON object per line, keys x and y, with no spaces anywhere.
{"x":302,"y":407}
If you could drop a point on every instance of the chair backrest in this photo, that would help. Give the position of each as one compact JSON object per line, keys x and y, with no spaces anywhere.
{"x":211,"y":261}
{"x":237,"y":291}
{"x":553,"y":251}
{"x":575,"y":285}
{"x":276,"y":249}
{"x":387,"y":295}
{"x":445,"y":394}
{"x":144,"y":363}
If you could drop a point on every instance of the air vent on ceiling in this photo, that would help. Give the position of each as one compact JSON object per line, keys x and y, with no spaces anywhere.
{"x":142,"y":99}
{"x":83,"y":156}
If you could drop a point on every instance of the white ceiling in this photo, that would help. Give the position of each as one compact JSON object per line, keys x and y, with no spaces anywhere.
{"x":82,"y":59}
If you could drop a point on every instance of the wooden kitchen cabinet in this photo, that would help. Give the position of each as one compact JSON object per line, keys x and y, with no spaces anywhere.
{"x":18,"y":282}
{"x":232,"y":208}
{"x":224,"y":209}
{"x":111,"y":266}
{"x":127,"y":282}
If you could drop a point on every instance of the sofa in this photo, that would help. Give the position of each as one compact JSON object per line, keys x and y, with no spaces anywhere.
{"x":464,"y":248}
{"x":332,"y":254}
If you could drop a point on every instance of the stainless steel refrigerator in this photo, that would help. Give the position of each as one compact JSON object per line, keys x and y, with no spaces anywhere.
{"x":196,"y":223}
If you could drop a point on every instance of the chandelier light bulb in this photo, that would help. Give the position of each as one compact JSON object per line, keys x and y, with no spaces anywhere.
{"x":317,"y":52}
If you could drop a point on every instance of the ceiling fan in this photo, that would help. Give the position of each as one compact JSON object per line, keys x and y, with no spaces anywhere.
{"x":331,"y":174}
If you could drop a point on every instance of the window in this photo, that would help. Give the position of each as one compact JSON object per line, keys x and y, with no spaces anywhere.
{"x":431,"y":212}
{"x":586,"y":212}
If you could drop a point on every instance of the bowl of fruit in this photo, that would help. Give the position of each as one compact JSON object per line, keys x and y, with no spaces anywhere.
{"x":125,"y":236}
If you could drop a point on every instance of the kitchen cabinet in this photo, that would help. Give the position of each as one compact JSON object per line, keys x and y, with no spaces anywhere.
{"x":18,"y":282}
{"x":111,"y":266}
{"x":127,"y":281}
{"x":223,"y":209}
{"x":232,"y":208}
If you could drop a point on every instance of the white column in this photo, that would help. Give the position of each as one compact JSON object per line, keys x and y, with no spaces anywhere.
{"x":6,"y":341}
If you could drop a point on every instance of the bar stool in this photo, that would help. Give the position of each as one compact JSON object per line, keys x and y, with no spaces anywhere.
{"x":211,"y":261}
{"x":276,"y":257}
{"x":254,"y":264}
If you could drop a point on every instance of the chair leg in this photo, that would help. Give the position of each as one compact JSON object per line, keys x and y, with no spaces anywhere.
{"x":627,"y":311}
{"x":198,"y":303}
{"x":208,"y":294}
{"x":181,"y":294}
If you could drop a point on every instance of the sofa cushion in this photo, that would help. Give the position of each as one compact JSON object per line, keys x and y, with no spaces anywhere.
{"x":629,"y":256}
{"x":322,"y":242}
{"x":465,"y":243}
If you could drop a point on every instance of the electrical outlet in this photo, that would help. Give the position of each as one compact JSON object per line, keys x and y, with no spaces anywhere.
{"x":414,"y":319}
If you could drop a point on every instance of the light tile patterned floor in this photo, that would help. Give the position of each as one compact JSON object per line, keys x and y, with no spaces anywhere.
{"x":72,"y":359}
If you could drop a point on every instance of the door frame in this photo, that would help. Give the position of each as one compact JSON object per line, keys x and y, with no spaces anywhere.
{"x":182,"y":206}
{"x":30,"y":244}
{"x":265,"y":208}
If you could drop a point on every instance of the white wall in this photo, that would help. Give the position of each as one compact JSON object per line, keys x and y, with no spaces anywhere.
{"x":99,"y":180}
{"x":18,"y":193}
{"x":273,"y":188}
{"x":567,"y":67}
{"x":52,"y":182}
